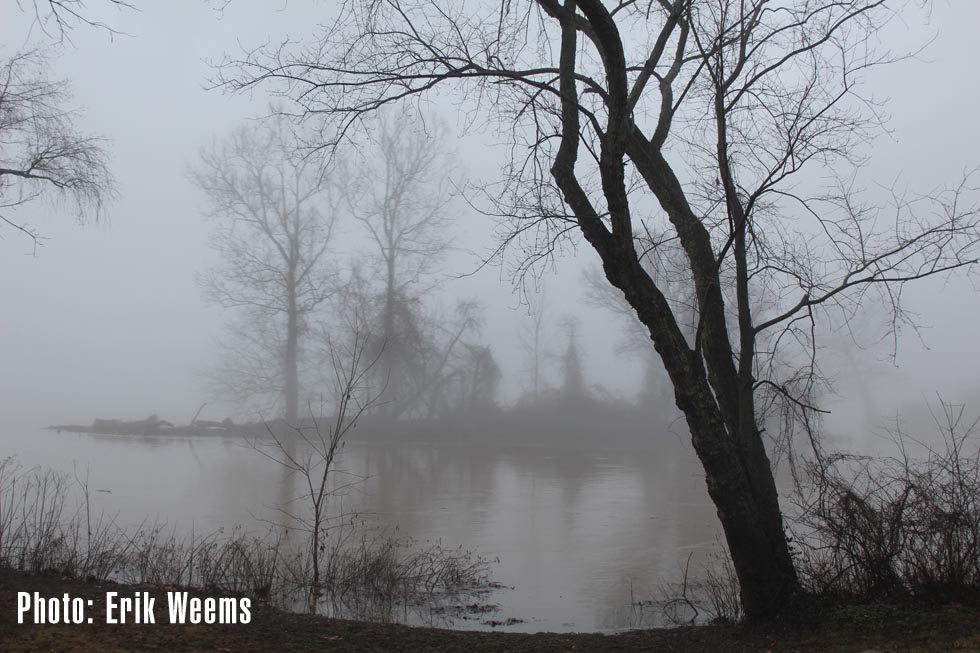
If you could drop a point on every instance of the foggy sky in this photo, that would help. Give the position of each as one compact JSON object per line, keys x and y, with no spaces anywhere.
{"x":106,"y":320}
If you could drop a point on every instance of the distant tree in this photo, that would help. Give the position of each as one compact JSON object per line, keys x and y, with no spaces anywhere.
{"x":573,"y":378}
{"x":479,"y":378}
{"x":399,"y":192}
{"x":534,"y":340}
{"x":457,"y":374}
{"x":42,"y":152}
{"x":274,"y":218}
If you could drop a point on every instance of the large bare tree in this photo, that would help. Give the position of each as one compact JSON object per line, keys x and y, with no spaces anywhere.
{"x":42,"y":150}
{"x":691,"y":118}
{"x":274,"y":217}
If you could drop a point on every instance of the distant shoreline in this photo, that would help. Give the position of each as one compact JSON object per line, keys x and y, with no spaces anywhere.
{"x":597,"y":426}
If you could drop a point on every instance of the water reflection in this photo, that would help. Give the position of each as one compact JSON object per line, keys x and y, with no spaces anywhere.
{"x":578,"y":534}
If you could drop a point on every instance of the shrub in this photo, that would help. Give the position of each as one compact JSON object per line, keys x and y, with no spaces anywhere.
{"x":895,"y":527}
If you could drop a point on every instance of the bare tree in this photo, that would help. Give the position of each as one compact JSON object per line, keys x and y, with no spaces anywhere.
{"x":691,"y":118}
{"x":57,"y":18}
{"x":42,"y":152}
{"x":318,"y":444}
{"x":274,"y":219}
{"x":400,"y":194}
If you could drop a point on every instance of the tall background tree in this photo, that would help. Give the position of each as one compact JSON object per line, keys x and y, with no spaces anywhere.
{"x":399,"y":192}
{"x":692,"y":118}
{"x":274,"y":218}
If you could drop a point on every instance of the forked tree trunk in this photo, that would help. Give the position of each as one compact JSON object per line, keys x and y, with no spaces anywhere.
{"x":737,"y":470}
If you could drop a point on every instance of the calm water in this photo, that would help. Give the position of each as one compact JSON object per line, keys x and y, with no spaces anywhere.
{"x":577,"y":534}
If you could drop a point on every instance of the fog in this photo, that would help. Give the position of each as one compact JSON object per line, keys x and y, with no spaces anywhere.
{"x":108,"y":319}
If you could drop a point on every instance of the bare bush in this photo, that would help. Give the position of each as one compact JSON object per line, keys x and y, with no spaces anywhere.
{"x":712,"y":596}
{"x":39,"y":531}
{"x":887,"y":527}
{"x":367,"y":572}
{"x":375,"y":575}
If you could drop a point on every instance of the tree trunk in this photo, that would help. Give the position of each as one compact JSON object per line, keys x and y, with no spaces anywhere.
{"x":291,"y":366}
{"x":736,"y":466}
{"x":742,"y":488}
{"x":391,"y":354}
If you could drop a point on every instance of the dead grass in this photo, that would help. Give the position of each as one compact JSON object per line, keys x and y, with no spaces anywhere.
{"x":366,"y":572}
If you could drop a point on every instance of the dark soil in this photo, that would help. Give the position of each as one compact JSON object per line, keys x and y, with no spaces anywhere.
{"x":857,"y":628}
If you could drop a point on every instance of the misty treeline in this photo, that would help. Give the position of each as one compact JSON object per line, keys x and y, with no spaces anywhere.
{"x":278,"y":209}
{"x":720,"y":141}
{"x":319,"y":251}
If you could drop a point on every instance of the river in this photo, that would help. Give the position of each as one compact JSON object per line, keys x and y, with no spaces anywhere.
{"x":580,"y":536}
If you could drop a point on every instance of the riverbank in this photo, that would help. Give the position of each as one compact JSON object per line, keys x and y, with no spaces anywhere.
{"x":844,"y":630}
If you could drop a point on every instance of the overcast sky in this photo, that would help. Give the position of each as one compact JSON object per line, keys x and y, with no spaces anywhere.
{"x":106,"y":320}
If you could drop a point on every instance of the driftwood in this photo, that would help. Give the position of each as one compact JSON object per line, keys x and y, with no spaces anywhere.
{"x":153,"y":425}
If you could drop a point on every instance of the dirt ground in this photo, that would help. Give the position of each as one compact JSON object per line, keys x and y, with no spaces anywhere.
{"x":879,"y":627}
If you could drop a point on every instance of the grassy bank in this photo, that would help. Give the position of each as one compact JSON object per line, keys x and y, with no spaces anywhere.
{"x":856,"y":628}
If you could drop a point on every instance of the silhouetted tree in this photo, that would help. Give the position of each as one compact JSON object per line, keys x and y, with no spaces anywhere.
{"x":274,"y":218}
{"x":42,"y":151}
{"x":687,"y":117}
